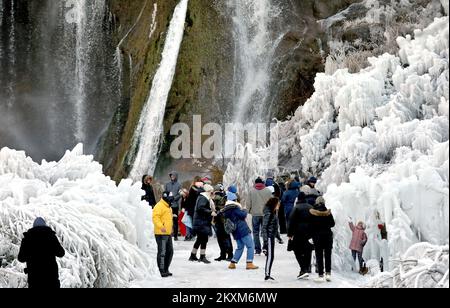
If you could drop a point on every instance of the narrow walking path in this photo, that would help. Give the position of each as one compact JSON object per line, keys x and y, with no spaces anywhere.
{"x":217,"y":274}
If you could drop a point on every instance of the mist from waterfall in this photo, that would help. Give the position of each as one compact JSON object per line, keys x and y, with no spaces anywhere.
{"x":147,"y":137}
{"x":58,"y":78}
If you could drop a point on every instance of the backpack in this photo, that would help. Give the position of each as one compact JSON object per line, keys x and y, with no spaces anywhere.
{"x":230,"y":226}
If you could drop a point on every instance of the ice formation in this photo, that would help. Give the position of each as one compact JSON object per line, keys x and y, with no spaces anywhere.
{"x":105,"y":229}
{"x":379,"y":140}
{"x":422,"y":266}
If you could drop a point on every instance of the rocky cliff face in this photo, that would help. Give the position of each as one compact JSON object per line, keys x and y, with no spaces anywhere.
{"x":62,"y":81}
{"x":203,"y":83}
{"x":140,"y":28}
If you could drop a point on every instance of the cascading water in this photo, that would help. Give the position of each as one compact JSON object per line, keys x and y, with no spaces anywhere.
{"x":147,"y":137}
{"x":255,"y":25}
{"x":80,"y":68}
{"x":7,"y":22}
{"x":65,"y":87}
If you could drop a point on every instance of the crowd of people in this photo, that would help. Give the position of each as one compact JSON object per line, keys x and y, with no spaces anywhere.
{"x":290,"y":207}
{"x":201,"y":210}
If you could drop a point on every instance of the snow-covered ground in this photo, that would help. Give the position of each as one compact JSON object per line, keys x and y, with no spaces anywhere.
{"x":107,"y":234}
{"x":217,"y":274}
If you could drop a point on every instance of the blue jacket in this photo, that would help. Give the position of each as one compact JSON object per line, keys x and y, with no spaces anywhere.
{"x":289,"y":197}
{"x":233,"y":212}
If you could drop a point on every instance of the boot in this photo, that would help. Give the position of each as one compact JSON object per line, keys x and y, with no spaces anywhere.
{"x":165,"y":275}
{"x":204,"y":260}
{"x":219,"y":259}
{"x":251,"y":266}
{"x":232,"y":266}
{"x":193,"y":258}
{"x":230,"y":257}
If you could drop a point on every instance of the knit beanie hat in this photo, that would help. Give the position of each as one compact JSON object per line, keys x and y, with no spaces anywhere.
{"x":231,"y":196}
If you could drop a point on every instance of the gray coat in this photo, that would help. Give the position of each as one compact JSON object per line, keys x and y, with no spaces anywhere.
{"x":259,"y":196}
{"x":174,"y":187}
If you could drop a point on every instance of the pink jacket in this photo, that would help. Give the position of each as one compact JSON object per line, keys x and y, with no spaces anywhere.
{"x":359,"y":237}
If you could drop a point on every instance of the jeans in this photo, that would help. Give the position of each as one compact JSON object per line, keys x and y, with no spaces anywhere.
{"x":360,"y":257}
{"x":165,"y":252}
{"x":323,"y":245}
{"x":242,"y":243}
{"x":188,"y":232}
{"x":257,"y":225}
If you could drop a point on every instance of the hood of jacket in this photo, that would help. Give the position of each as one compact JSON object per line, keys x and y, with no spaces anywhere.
{"x":206,"y":195}
{"x":294,"y":185}
{"x":231,"y":205}
{"x":174,"y":173}
{"x":143,"y":178}
{"x":164,"y":202}
{"x":260,"y":186}
{"x":39,"y":230}
{"x":361,"y":227}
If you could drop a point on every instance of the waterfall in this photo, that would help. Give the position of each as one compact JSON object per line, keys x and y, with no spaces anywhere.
{"x":89,"y":15}
{"x":12,"y":56}
{"x":80,"y":70}
{"x":59,"y":84}
{"x":148,"y":133}
{"x":255,"y":45}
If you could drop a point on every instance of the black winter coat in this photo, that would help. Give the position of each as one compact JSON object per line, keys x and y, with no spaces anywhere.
{"x":149,"y":195}
{"x":39,"y":250}
{"x":321,"y":225}
{"x":191,"y":200}
{"x":202,"y":217}
{"x":270,"y":225}
{"x":300,"y":221}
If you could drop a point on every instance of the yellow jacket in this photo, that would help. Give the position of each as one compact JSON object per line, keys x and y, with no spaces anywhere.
{"x":163,"y":218}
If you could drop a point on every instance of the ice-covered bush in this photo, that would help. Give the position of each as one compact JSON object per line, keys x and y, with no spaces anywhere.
{"x":422,"y":266}
{"x":104,"y":228}
{"x":379,"y":141}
